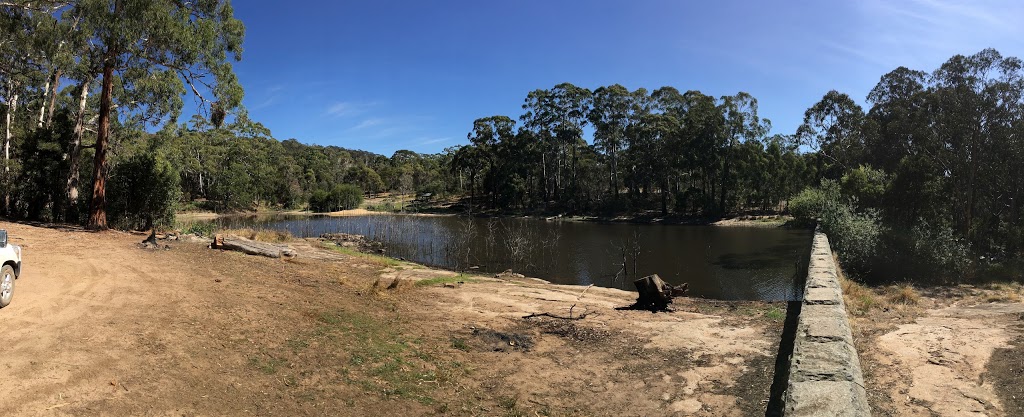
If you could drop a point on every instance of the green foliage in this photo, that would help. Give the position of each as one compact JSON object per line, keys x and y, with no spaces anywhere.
{"x":855,"y":236}
{"x":144,"y":191}
{"x":341,"y":197}
{"x":813,"y":203}
{"x":938,"y":253}
{"x":865,"y":185}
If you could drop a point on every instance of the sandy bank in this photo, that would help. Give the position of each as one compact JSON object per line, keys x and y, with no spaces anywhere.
{"x":99,"y":326}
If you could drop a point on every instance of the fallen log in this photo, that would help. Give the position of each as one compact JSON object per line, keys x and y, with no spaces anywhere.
{"x":252,"y":247}
{"x":656,"y":294}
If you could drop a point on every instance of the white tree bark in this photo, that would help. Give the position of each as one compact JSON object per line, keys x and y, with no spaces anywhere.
{"x":12,"y":107}
{"x":71,"y":187}
{"x":42,"y":105}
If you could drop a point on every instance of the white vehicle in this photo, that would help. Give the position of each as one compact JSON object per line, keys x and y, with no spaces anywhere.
{"x":10,"y":268}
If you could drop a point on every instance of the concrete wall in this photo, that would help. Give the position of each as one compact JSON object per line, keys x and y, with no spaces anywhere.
{"x":824,"y":376}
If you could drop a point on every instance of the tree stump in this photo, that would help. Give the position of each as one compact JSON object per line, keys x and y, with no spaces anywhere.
{"x":656,"y":294}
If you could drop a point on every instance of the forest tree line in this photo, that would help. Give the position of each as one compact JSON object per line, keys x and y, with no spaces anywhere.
{"x":925,"y":181}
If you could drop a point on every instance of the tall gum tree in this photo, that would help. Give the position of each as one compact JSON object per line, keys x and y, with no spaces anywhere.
{"x":742,"y":124}
{"x":154,"y":49}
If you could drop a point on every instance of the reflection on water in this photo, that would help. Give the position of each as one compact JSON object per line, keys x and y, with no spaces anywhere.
{"x":729,"y":263}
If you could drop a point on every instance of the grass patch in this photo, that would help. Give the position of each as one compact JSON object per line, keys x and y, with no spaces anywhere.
{"x":198,"y":228}
{"x":860,"y":299}
{"x":444,"y":280}
{"x":344,"y":250}
{"x":380,"y":359}
{"x":384,"y":206}
{"x":904,"y":294}
{"x":1000,"y":292}
{"x":775,"y":314}
{"x":510,"y":404}
{"x":460,"y":344}
{"x":268,"y":365}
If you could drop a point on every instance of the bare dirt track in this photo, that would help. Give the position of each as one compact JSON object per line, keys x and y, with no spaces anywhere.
{"x":99,"y":326}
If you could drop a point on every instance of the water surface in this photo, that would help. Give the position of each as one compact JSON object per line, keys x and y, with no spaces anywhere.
{"x":728,"y":263}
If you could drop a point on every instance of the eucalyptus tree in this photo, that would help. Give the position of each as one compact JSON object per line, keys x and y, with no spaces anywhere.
{"x":468,"y":160}
{"x":832,"y":128}
{"x":702,"y":127}
{"x":614,"y":109}
{"x":976,"y":108}
{"x":557,"y":118}
{"x":742,"y":125}
{"x":15,"y":40}
{"x":654,"y":141}
{"x":488,"y":133}
{"x":151,"y":50}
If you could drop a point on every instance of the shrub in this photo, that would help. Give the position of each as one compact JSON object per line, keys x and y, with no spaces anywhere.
{"x":938,"y":251}
{"x":143,"y":192}
{"x":813,"y":202}
{"x":854,"y":236}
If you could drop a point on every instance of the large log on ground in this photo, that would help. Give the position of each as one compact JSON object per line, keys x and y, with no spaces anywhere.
{"x":252,"y":247}
{"x":656,"y":294}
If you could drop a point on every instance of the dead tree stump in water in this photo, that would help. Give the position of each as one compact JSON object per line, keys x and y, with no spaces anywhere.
{"x":655,"y":294}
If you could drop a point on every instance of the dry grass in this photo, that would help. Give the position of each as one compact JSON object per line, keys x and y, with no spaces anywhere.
{"x":271,"y":236}
{"x":860,"y":299}
{"x":1004,"y":292}
{"x":903,"y":294}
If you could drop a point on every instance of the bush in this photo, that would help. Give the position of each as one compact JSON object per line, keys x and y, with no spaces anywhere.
{"x":143,"y":192}
{"x":813,"y":202}
{"x":854,"y":236}
{"x":938,"y":251}
{"x":341,"y":197}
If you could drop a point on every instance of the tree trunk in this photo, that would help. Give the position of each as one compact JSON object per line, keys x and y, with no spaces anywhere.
{"x":42,"y":103}
{"x":252,"y":247}
{"x":726,"y":171}
{"x":12,"y":107}
{"x":75,"y":151}
{"x":53,"y":97}
{"x":98,"y":206}
{"x":544,"y":176}
{"x":664,"y":196}
{"x":615,"y":175}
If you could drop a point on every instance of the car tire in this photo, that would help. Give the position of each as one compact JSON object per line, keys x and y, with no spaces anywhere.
{"x":7,"y":279}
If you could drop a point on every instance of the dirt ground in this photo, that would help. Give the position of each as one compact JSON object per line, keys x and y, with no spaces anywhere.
{"x":99,"y":326}
{"x":953,"y":351}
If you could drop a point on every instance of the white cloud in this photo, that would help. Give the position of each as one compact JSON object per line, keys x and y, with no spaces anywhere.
{"x":921,"y":34}
{"x":369,"y":123}
{"x":341,"y":109}
{"x":431,"y":141}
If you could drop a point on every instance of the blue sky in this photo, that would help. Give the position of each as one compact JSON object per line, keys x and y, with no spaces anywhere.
{"x":388,"y":75}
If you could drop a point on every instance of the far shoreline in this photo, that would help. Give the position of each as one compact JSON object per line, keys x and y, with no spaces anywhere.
{"x":761,"y":221}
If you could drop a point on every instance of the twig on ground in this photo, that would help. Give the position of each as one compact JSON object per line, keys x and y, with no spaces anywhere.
{"x":573,"y":306}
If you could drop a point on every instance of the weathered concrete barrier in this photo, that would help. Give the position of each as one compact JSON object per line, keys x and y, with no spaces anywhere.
{"x":824,"y":375}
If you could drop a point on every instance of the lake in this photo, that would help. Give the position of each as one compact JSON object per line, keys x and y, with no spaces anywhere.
{"x":726,"y":263}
